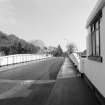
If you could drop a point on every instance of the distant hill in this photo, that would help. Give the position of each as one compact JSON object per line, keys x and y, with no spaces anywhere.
{"x":38,"y":43}
{"x":4,"y":40}
{"x":13,"y":37}
{"x":11,"y":44}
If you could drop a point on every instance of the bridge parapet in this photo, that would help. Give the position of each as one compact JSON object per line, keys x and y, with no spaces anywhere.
{"x":20,"y":58}
{"x":76,"y":59}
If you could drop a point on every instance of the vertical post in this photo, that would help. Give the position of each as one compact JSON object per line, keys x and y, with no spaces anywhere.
{"x":0,"y":61}
{"x":13,"y":59}
{"x":7,"y":60}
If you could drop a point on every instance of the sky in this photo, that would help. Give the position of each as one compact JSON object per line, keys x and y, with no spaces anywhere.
{"x":52,"y":21}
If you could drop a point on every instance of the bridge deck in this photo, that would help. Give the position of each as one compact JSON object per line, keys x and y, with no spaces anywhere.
{"x":68,"y":89}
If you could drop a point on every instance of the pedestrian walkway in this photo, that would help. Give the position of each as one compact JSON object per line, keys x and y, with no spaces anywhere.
{"x":70,"y":88}
{"x":68,"y":70}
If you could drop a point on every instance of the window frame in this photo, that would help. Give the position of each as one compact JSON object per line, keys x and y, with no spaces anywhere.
{"x":95,"y":51}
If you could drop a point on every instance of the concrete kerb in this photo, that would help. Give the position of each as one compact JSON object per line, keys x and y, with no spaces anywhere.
{"x":60,"y":72}
{"x":60,"y":75}
{"x":22,"y":84}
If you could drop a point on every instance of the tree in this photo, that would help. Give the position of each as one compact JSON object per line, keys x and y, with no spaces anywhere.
{"x":5,"y":50}
{"x":71,"y":48}
{"x":11,"y":44}
{"x":57,"y":51}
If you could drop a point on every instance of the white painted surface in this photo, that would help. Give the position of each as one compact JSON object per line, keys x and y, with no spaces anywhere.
{"x":96,"y":9}
{"x":76,"y":59}
{"x":82,"y":65}
{"x":95,"y":71}
{"x":19,"y":58}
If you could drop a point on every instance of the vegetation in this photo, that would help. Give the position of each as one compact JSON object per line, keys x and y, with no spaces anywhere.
{"x":38,"y":43}
{"x":57,"y":51}
{"x":10,"y":44}
{"x":71,"y":48}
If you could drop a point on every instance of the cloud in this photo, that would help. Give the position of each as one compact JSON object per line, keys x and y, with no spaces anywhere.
{"x":7,"y":12}
{"x":3,"y":1}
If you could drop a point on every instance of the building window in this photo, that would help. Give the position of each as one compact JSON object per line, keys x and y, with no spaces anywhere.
{"x":95,"y":36}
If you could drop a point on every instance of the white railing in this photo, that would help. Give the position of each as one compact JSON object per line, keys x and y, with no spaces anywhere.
{"x":76,"y":59}
{"x":20,"y":58}
{"x":82,"y":64}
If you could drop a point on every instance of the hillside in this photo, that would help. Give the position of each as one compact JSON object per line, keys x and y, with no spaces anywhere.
{"x":11,"y":44}
{"x":38,"y":43}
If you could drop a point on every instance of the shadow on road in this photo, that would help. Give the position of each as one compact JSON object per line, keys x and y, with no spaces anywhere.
{"x":52,"y":73}
{"x":38,"y":95}
{"x":54,"y":69}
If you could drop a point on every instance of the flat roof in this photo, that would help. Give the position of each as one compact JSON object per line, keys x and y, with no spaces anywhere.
{"x":100,"y":4}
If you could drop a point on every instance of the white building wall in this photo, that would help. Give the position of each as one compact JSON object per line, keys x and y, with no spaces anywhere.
{"x":103,"y":35}
{"x":95,"y":71}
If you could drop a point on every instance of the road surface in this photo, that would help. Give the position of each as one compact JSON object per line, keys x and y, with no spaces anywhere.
{"x":70,"y":88}
{"x":29,"y":84}
{"x":45,"y":69}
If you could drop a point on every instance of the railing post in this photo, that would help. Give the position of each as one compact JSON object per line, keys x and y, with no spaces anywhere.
{"x":0,"y":61}
{"x":7,"y":60}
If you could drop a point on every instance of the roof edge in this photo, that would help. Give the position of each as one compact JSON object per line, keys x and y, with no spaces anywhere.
{"x":99,"y":5}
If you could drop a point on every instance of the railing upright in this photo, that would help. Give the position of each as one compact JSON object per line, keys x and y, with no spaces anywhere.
{"x":19,"y":58}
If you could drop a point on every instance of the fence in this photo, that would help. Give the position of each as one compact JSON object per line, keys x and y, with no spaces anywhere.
{"x":76,"y":59}
{"x":20,"y":58}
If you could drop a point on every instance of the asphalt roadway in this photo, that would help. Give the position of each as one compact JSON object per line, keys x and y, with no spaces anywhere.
{"x":68,"y":89}
{"x":43,"y":70}
{"x":29,"y":84}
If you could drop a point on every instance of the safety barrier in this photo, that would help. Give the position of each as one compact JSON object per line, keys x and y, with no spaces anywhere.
{"x":76,"y":59}
{"x":20,"y":58}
